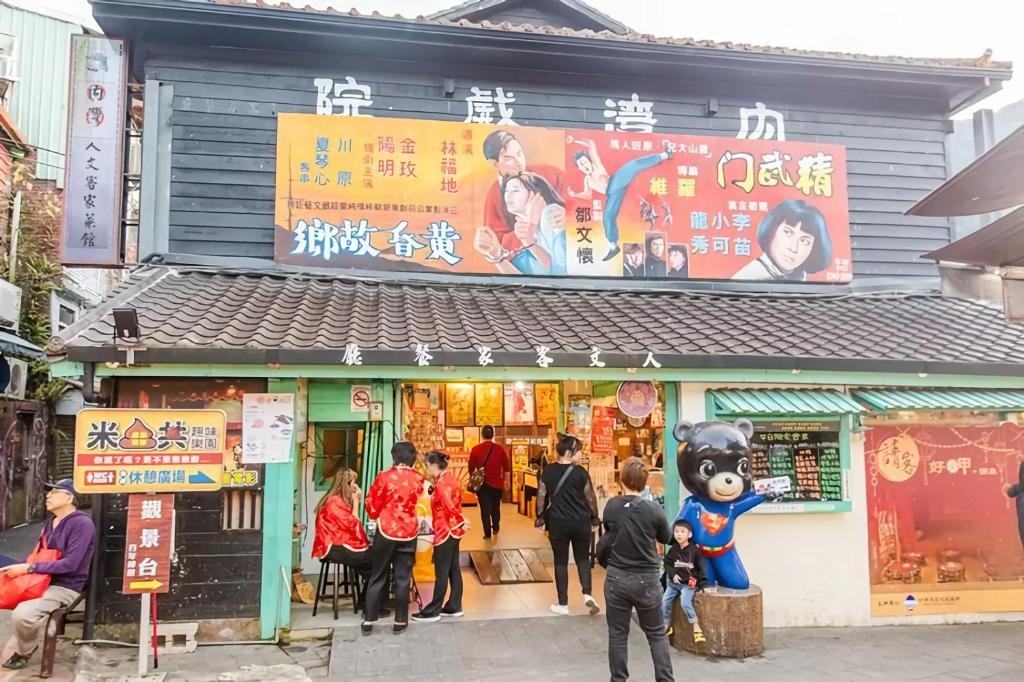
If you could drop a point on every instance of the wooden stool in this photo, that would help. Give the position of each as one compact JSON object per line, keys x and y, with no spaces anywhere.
{"x":55,"y":628}
{"x":732,"y":621}
{"x":345,"y":578}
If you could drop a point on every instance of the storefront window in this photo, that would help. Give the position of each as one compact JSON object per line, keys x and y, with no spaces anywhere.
{"x":943,"y":532}
{"x":614,"y":420}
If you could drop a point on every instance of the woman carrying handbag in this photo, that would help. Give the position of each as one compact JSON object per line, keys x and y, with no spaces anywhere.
{"x":569,"y":514}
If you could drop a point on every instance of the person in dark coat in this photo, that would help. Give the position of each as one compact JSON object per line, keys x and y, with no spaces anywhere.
{"x":1016,"y":491}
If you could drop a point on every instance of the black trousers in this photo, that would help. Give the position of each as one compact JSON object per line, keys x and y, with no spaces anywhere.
{"x":490,"y":508}
{"x":399,"y":557}
{"x":360,"y":562}
{"x":446,"y":571}
{"x":562,"y":534}
{"x":624,"y":592}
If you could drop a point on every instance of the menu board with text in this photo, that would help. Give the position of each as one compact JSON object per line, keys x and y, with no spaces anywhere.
{"x":806,"y":452}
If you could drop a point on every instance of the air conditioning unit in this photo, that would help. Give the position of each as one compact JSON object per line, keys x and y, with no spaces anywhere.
{"x":17,"y":378}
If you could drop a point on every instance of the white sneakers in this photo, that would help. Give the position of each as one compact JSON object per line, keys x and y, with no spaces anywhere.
{"x":588,"y":601}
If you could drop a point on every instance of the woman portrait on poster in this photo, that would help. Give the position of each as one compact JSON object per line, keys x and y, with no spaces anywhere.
{"x":539,"y":212}
{"x":794,"y":242}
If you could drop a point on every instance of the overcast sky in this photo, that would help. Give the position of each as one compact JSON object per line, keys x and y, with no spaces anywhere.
{"x":912,"y":28}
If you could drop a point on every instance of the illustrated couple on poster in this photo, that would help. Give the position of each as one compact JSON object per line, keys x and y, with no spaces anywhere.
{"x":524,"y":230}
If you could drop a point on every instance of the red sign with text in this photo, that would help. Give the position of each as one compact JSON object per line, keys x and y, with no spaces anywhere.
{"x":148,"y":544}
{"x":382,"y":193}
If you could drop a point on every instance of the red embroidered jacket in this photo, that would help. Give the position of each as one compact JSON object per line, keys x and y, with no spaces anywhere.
{"x":446,"y":508}
{"x":337,"y":525}
{"x":392,"y":502}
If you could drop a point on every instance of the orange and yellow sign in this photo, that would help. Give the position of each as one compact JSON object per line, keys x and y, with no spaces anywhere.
{"x":388,"y":193}
{"x":135,"y":450}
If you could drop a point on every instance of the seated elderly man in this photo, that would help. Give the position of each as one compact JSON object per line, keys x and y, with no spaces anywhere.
{"x":70,"y":532}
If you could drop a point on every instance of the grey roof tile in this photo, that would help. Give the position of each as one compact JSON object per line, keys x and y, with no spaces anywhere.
{"x":228,"y":312}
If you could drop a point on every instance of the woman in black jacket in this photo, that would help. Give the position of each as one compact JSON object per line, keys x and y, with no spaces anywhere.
{"x":633,"y":580}
{"x":567,"y":508}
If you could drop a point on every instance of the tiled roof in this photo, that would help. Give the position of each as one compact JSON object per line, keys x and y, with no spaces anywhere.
{"x":983,"y":62}
{"x":201,"y":315}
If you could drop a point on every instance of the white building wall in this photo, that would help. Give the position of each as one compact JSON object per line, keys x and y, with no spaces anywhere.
{"x":813,"y":568}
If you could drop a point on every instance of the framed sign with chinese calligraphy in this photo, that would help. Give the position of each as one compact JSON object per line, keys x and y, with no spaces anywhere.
{"x":137,"y":450}
{"x":148,"y":544}
{"x":547,"y":403}
{"x":95,"y":142}
{"x":394,"y":194}
{"x":459,"y":400}
{"x":489,"y":399}
{"x":941,"y":526}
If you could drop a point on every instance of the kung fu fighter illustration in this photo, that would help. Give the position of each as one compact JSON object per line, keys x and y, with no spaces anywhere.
{"x":713,"y":459}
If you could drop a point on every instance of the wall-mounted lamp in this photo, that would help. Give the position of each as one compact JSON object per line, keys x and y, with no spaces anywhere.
{"x":126,"y":324}
{"x":711,"y":106}
{"x":449,"y":87}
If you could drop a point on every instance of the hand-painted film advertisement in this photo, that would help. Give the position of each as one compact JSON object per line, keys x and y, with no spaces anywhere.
{"x":379,"y":193}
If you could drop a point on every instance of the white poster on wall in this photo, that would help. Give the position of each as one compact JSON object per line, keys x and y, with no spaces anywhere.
{"x":268,"y":424}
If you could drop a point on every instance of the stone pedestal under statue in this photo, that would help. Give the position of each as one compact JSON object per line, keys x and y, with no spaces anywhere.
{"x":732,"y":620}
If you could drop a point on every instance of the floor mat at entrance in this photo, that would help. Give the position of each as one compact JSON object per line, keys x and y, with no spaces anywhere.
{"x":507,"y":566}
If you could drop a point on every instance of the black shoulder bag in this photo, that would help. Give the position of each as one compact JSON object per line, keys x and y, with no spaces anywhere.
{"x":606,"y":545}
{"x":551,"y":500}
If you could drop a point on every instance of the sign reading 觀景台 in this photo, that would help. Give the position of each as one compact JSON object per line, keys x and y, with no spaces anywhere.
{"x":379,"y":193}
{"x":148,"y":544}
{"x":129,"y":450}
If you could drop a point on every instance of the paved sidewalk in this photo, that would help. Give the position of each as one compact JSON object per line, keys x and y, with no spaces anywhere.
{"x":576,"y":649}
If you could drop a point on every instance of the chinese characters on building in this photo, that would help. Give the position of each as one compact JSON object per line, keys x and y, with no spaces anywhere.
{"x":148,"y":544}
{"x":92,"y":193}
{"x":149,"y":450}
{"x":472,"y":197}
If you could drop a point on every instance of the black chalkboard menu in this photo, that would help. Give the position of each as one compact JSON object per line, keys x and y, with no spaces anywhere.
{"x":805,"y":451}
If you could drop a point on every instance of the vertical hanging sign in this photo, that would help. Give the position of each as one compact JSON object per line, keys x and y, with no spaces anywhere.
{"x":94,"y":152}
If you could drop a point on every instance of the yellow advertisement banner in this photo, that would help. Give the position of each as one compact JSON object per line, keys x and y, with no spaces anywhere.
{"x":136,"y":450}
{"x":985,"y":598}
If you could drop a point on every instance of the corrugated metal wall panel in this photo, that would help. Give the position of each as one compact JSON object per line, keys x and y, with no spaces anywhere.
{"x":39,"y":99}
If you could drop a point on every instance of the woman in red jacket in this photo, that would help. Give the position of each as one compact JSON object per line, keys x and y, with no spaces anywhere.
{"x":449,"y":527}
{"x":339,"y":533}
{"x":392,"y":503}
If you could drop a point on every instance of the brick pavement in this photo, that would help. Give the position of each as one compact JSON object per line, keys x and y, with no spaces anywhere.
{"x":575,"y":649}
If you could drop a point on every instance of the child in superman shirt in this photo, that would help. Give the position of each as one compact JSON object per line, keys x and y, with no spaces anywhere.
{"x":684,"y":576}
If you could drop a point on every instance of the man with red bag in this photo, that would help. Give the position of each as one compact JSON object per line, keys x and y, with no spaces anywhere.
{"x":69,"y":534}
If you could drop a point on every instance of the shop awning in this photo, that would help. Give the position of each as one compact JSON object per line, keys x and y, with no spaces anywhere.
{"x":11,"y":344}
{"x":992,"y":182}
{"x":890,"y":400}
{"x":784,"y":401}
{"x":997,"y":244}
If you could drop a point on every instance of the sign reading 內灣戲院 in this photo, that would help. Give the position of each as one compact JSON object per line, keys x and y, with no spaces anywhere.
{"x":381,"y":193}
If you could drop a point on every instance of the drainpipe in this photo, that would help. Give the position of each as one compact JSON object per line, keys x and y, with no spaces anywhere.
{"x":89,"y":383}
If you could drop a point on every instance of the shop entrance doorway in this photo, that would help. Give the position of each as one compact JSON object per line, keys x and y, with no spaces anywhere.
{"x":526,"y":418}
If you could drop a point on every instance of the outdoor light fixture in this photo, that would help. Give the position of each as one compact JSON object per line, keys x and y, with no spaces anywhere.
{"x":520,"y":385}
{"x":923,"y":375}
{"x":449,"y":87}
{"x":796,"y":370}
{"x":126,"y":324}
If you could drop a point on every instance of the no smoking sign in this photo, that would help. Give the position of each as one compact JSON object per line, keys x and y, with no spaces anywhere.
{"x":360,"y":399}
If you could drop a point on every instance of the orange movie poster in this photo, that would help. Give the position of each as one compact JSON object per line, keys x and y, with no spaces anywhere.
{"x":422,"y":195}
{"x":943,"y":533}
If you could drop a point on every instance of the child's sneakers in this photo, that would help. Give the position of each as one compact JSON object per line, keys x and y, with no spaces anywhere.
{"x":698,"y":637}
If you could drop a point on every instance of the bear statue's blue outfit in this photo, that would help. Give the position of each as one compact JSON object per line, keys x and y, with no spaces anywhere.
{"x":713,"y":527}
